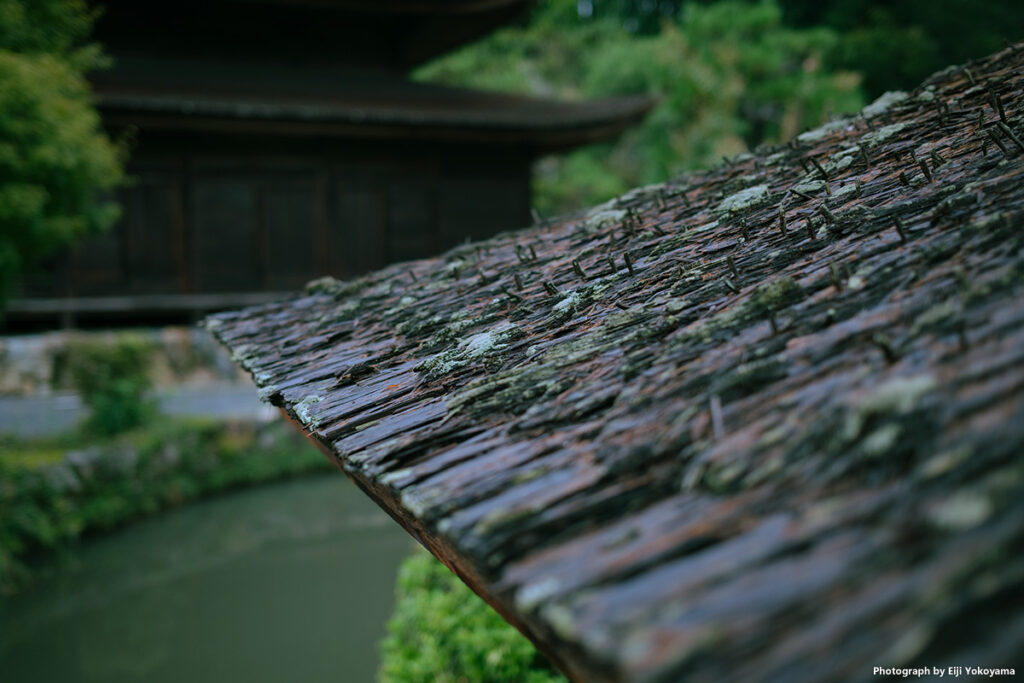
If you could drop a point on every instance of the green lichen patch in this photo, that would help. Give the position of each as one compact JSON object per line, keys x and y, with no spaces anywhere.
{"x":745,"y":200}
{"x":776,"y":295}
{"x":884,"y":102}
{"x":470,"y":350}
{"x":884,"y":134}
{"x":303,"y":410}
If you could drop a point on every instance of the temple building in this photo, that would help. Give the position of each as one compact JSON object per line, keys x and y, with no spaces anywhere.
{"x":276,"y":141}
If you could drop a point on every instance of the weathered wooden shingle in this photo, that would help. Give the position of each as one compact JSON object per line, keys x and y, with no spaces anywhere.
{"x":763,"y":422}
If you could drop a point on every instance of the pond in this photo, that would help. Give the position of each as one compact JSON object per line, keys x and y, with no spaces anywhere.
{"x":292,"y":581}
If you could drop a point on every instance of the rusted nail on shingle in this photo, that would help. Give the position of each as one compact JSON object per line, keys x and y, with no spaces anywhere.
{"x":903,"y":179}
{"x":937,"y":158}
{"x":924,"y":169}
{"x":828,"y":215}
{"x":732,"y":267}
{"x":658,"y":230}
{"x":819,"y":168}
{"x":970,"y":76}
{"x":611,"y":262}
{"x":803,"y":165}
{"x":773,"y":323}
{"x":731,"y":285}
{"x":521,"y":254}
{"x":578,"y":269}
{"x":864,"y":156}
{"x":717,"y":421}
{"x":679,"y":272}
{"x":412,"y":276}
{"x":782,"y":221}
{"x":629,"y":262}
{"x":898,"y":224}
{"x":999,"y":143}
{"x":533,"y":253}
{"x":551,"y":289}
{"x":885,"y":344}
{"x":519,"y":281}
{"x":744,"y":229}
{"x":997,"y":103}
{"x":661,"y":199}
{"x":833,"y":272}
{"x":512,"y":295}
{"x":1010,"y":134}
{"x":810,"y":230}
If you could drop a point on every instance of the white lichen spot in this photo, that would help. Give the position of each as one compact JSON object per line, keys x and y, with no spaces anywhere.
{"x":881,"y":441}
{"x":821,"y":131}
{"x":960,"y":511}
{"x":811,"y":186}
{"x":844,"y":191}
{"x":706,"y":227}
{"x":856,"y":282}
{"x":601,"y":219}
{"x":266,"y":392}
{"x":884,"y":102}
{"x":944,"y":462}
{"x":470,"y":350}
{"x":530,"y":596}
{"x":840,"y":164}
{"x":414,"y":503}
{"x":884,"y":133}
{"x":744,"y":199}
{"x":898,"y":396}
{"x":323,"y":285}
{"x":644,"y":193}
{"x":561,"y":621}
{"x":302,"y":410}
{"x":568,"y":305}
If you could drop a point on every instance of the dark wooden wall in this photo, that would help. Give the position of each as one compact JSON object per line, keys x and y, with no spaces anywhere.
{"x":204,"y":215}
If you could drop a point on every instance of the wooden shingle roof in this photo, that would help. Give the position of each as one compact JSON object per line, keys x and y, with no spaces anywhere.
{"x":763,"y":422}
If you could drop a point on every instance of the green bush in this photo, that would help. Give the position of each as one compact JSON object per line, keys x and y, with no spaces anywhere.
{"x":113,"y":381}
{"x":56,"y":164}
{"x":442,"y":632}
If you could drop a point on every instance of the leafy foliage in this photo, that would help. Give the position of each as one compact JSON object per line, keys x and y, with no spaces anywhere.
{"x":727,"y":76}
{"x":442,"y":632}
{"x":56,"y":164}
{"x":897,"y":44}
{"x":113,"y":381}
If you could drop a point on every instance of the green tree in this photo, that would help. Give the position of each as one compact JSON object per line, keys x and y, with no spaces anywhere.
{"x":728,"y":76}
{"x":56,"y":164}
{"x":898,"y":44}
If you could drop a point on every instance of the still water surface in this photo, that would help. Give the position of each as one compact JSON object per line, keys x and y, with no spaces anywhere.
{"x":289,"y":582}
